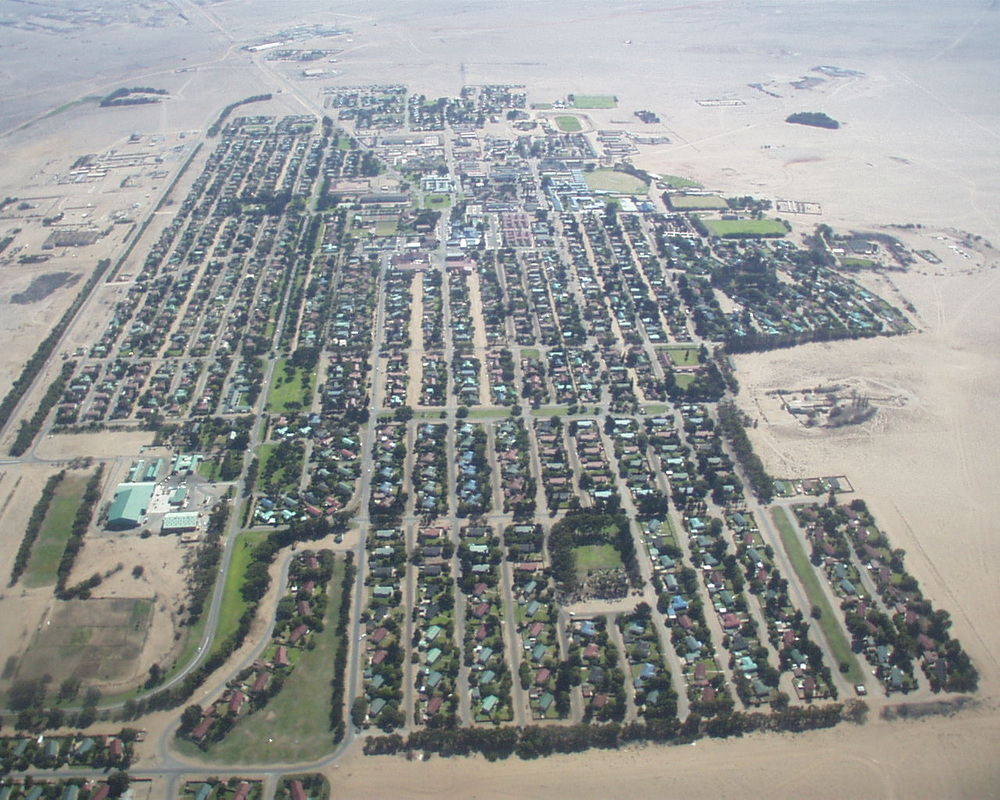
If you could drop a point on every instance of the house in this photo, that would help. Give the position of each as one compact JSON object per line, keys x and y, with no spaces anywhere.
{"x":298,"y":793}
{"x":242,"y":791}
{"x":489,"y":703}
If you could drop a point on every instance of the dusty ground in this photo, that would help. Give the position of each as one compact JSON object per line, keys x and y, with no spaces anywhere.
{"x":949,"y":757}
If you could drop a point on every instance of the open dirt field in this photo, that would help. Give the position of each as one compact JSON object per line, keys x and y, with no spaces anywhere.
{"x":94,"y":640}
{"x":950,"y":757}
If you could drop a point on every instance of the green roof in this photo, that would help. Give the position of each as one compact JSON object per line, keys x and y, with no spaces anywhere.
{"x":130,"y":504}
{"x":179,"y":521}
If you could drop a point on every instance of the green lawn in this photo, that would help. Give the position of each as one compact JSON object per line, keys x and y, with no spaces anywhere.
{"x":437,"y":201}
{"x":697,"y":202}
{"x":840,"y":646}
{"x":488,"y":412}
{"x":50,"y":545}
{"x":611,"y":180}
{"x":295,"y":725}
{"x":208,"y":469}
{"x":284,"y":391}
{"x":232,"y":602}
{"x":744,"y":227}
{"x":594,"y":101}
{"x":541,"y":106}
{"x":285,"y":478}
{"x":592,"y":557}
{"x":530,"y":353}
{"x":683,"y":356}
{"x":568,"y":124}
{"x":677,"y":182}
{"x":684,"y":379}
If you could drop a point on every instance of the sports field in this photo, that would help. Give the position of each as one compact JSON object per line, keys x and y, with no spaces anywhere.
{"x":568,"y":124}
{"x":611,"y":180}
{"x":744,"y":227}
{"x":594,"y":101}
{"x":697,"y":202}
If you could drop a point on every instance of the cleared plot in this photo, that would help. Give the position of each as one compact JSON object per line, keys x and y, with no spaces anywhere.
{"x":595,"y":557}
{"x":51,"y":542}
{"x":568,"y":124}
{"x":697,"y":202}
{"x":610,"y":180}
{"x":744,"y":227}
{"x":94,"y":640}
{"x":295,"y":725}
{"x":840,"y":647}
{"x":594,"y":101}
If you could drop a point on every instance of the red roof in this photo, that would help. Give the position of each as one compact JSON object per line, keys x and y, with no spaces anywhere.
{"x":298,"y":793}
{"x":379,"y":656}
{"x":481,"y":610}
{"x":236,"y":702}
{"x":535,"y":629}
{"x":591,"y":650}
{"x":260,"y":683}
{"x":201,"y":729}
{"x":542,"y":676}
{"x":434,"y":704}
{"x":101,"y":792}
{"x":298,"y":633}
{"x":242,"y":791}
{"x":379,"y":634}
{"x":478,"y":589}
{"x":600,"y":700}
{"x":281,"y":656}
{"x":730,"y":621}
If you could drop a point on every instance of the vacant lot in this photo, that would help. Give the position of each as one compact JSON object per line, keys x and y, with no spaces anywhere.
{"x":94,"y":640}
{"x":610,"y":180}
{"x":744,"y":227}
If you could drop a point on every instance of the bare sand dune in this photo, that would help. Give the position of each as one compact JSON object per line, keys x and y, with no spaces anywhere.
{"x":931,"y":758}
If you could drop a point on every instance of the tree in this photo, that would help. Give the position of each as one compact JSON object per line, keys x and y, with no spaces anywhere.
{"x":118,"y":783}
{"x":190,"y":717}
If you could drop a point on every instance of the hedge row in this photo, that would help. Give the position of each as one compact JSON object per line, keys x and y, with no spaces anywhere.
{"x":340,"y":661}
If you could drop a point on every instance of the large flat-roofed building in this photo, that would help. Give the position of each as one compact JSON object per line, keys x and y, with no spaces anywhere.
{"x":129,"y":506}
{"x":179,"y":522}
